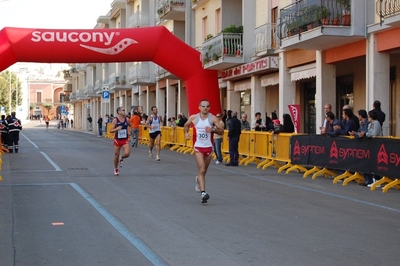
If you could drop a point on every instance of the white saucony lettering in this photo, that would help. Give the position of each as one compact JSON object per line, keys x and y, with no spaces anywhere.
{"x":62,"y":36}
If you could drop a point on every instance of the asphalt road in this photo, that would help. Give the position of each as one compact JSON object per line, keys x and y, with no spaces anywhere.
{"x":60,"y":204}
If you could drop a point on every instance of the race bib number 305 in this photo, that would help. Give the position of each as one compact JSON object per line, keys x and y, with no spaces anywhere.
{"x":202,"y":136}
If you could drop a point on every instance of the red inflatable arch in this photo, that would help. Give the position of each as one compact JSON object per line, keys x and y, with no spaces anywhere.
{"x":154,"y":44}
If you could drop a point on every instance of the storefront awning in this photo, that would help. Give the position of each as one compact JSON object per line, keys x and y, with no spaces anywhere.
{"x":303,"y":72}
{"x":242,"y":85}
{"x":270,"y":80}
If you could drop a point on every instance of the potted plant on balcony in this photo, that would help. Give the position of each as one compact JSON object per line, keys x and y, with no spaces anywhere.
{"x":292,"y":27}
{"x":228,"y":45}
{"x":346,"y":5}
{"x":323,"y":14}
{"x":209,"y":36}
{"x":336,"y":21}
{"x":308,"y":17}
{"x":207,"y":55}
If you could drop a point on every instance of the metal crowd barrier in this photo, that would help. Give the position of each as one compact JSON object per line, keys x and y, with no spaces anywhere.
{"x":265,"y":149}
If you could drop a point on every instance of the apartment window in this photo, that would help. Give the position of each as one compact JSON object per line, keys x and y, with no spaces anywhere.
{"x":205,"y":28}
{"x":218,"y":20}
{"x":62,"y":97}
{"x":38,"y":96}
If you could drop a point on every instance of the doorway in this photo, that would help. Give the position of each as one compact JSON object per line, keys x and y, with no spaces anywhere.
{"x":309,"y":89}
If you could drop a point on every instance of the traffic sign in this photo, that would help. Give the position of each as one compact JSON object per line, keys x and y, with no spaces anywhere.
{"x":105,"y":96}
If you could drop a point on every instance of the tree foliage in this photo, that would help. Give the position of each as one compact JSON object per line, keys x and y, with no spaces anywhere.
{"x":16,"y":92}
{"x":48,"y":106}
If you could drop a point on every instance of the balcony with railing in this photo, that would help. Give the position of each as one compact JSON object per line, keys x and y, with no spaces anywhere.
{"x":67,"y":87}
{"x":388,"y":12}
{"x":223,"y":51}
{"x":89,"y":91}
{"x":264,"y":39}
{"x":80,"y":95}
{"x":98,"y":86}
{"x":142,"y":73}
{"x":81,"y":67}
{"x":162,"y":73}
{"x":139,"y":19}
{"x":171,"y":9}
{"x":73,"y":97}
{"x":320,"y":24}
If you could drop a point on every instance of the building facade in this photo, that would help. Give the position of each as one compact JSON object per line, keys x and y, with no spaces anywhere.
{"x":269,"y":54}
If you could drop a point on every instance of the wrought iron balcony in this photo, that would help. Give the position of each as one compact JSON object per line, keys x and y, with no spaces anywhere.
{"x":171,"y":9}
{"x":304,"y":15}
{"x":139,"y":19}
{"x":223,"y":51}
{"x":320,"y":24}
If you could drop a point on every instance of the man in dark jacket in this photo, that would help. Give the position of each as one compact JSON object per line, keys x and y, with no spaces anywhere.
{"x":234,"y":131}
{"x":14,"y":127}
{"x":381,"y":116}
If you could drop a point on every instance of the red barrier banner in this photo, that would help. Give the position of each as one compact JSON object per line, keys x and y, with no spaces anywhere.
{"x":294,"y":110}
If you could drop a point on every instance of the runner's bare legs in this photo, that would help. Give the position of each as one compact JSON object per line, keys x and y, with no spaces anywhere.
{"x":202,"y":166}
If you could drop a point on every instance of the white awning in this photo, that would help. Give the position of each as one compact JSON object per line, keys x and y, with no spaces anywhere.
{"x":242,"y":85}
{"x":303,"y":72}
{"x":269,"y":80}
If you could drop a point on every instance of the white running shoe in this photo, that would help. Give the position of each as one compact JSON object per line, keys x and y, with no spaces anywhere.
{"x":217,"y":162}
{"x":157,"y":158}
{"x":150,"y":154}
{"x":120,"y":161}
{"x":116,"y":172}
{"x":197,"y":187}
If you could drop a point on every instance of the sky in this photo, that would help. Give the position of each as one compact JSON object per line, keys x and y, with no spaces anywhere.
{"x":52,"y":14}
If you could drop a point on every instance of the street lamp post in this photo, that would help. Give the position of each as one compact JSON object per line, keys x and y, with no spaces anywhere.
{"x":10,"y":94}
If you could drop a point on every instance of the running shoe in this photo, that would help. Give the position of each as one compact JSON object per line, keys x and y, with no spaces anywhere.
{"x":197,"y":187}
{"x":120,"y":161}
{"x":157,"y":158}
{"x":204,"y":197}
{"x":116,"y":171}
{"x":218,"y":162}
{"x":150,"y":154}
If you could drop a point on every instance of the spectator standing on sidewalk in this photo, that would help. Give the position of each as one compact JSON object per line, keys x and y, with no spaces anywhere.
{"x":218,"y":141}
{"x":245,"y":123}
{"x":235,"y":129}
{"x":135,"y":122}
{"x":100,"y":126}
{"x":90,"y":120}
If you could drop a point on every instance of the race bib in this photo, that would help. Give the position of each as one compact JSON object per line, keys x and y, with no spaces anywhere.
{"x":202,"y":136}
{"x":122,"y":134}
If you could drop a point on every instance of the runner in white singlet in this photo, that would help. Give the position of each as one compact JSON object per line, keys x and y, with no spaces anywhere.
{"x":154,"y":123}
{"x":205,"y":124}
